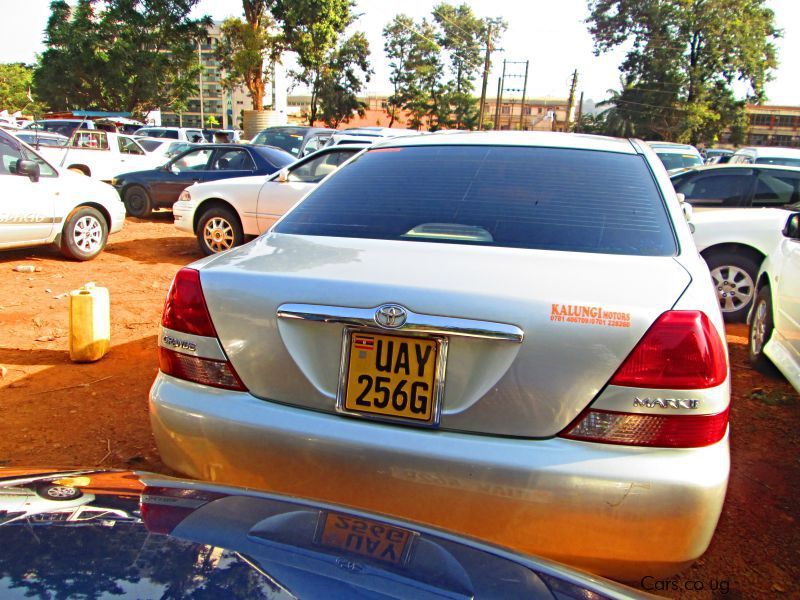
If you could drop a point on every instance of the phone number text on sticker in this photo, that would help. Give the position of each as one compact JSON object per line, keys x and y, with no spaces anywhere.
{"x":589,"y":315}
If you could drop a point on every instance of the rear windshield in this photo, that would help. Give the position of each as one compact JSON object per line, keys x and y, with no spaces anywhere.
{"x":158,"y":133}
{"x":778,"y":160}
{"x":518,"y":197}
{"x":276,"y":157}
{"x":679,"y":161}
{"x":289,"y":141}
{"x":149,"y":145}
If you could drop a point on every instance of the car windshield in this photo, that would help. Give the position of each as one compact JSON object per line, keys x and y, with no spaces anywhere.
{"x":778,"y":160}
{"x":285,"y":140}
{"x":492,"y":195}
{"x":679,"y":161}
{"x":42,"y":140}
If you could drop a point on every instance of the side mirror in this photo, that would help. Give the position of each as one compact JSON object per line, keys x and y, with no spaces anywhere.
{"x":687,"y":209}
{"x":792,"y":229}
{"x":283,"y":175}
{"x":29,"y":168}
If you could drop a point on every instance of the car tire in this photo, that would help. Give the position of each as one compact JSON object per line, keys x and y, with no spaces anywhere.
{"x":78,"y":170}
{"x":219,"y":229}
{"x":85,"y":234}
{"x":58,"y":493}
{"x":137,"y":202}
{"x":734,"y":276}
{"x":761,"y":326}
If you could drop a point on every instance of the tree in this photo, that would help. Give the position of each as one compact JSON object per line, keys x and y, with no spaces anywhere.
{"x":341,"y":81}
{"x":312,"y":28}
{"x":461,"y":35}
{"x":684,"y":57}
{"x":119,"y":55}
{"x":246,"y":47}
{"x":15,"y":89}
{"x":400,"y":46}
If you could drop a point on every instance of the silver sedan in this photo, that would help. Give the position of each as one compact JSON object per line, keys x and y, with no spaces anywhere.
{"x":507,"y":335}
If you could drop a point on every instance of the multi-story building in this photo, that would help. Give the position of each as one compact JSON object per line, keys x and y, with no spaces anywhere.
{"x":225,"y":106}
{"x":536,"y":114}
{"x":773,"y":125}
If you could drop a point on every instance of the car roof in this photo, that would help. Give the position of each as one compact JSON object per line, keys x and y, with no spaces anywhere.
{"x":771,"y":151}
{"x":673,"y":147}
{"x":578,"y":141}
{"x":736,"y":166}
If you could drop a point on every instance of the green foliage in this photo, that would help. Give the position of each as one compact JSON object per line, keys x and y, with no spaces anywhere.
{"x":312,"y":29}
{"x":341,"y":81}
{"x":119,"y":55}
{"x":462,"y":36}
{"x":418,"y":53}
{"x":211,"y":122}
{"x":15,"y":87}
{"x":246,"y":47}
{"x":684,"y":57}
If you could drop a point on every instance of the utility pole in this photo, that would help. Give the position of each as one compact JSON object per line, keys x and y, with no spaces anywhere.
{"x":200,"y":62}
{"x":571,"y":98}
{"x":497,"y":103}
{"x":500,"y":85}
{"x":579,"y":118}
{"x":486,"y":62}
{"x":524,"y":91}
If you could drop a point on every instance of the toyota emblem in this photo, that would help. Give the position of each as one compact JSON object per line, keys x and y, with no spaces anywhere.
{"x":391,"y":316}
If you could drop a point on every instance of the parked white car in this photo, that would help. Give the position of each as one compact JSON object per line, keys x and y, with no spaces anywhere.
{"x":183,"y":134}
{"x":734,"y":242}
{"x":767,"y":155}
{"x":42,"y":204}
{"x":101,"y":154}
{"x":677,"y":156}
{"x":775,"y":318}
{"x":165,"y":148}
{"x":222,"y":213}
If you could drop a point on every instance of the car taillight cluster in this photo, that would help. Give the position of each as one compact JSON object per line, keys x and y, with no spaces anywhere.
{"x":185,"y":311}
{"x":681,"y":351}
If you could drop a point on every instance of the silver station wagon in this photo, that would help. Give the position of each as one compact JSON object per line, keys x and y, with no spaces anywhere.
{"x":509,"y":335}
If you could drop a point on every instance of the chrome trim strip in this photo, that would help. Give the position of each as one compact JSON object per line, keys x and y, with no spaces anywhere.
{"x":437,"y":397}
{"x":415,"y":323}
{"x":193,"y":345}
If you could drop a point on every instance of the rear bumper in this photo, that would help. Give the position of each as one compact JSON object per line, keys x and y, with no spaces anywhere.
{"x":622,"y":512}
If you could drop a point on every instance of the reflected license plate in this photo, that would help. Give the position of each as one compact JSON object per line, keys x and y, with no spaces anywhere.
{"x":392,"y":376}
{"x":365,"y":537}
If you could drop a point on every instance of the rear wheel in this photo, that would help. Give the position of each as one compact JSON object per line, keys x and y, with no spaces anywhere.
{"x":734,"y":277}
{"x":85,"y":233}
{"x":761,"y":327}
{"x":137,"y":202}
{"x":218,"y":230}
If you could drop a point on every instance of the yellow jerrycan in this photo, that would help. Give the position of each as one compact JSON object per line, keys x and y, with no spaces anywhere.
{"x":89,"y":323}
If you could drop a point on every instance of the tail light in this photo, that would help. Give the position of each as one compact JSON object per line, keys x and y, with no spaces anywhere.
{"x":681,"y":351}
{"x":634,"y":429}
{"x":185,"y":311}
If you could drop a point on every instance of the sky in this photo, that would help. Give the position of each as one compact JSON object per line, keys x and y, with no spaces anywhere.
{"x":551,"y":35}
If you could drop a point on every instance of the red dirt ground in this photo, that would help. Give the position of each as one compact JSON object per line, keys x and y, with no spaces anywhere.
{"x":57,"y":413}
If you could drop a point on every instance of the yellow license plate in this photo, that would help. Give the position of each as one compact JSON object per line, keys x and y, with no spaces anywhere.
{"x":392,"y":376}
{"x":365,"y":537}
